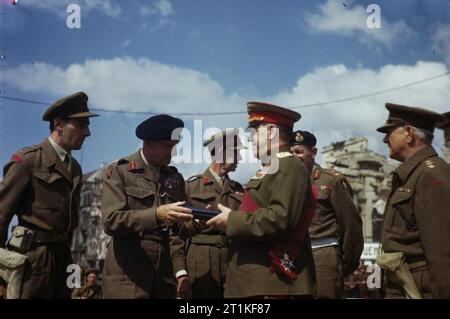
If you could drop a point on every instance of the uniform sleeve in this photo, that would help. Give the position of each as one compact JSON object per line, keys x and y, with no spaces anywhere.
{"x":431,"y":208}
{"x":289,"y":191}
{"x":12,"y":188}
{"x":349,"y":223}
{"x":178,"y":242}
{"x":118,"y":218}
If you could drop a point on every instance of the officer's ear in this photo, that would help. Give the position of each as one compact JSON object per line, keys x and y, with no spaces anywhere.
{"x":58,"y":124}
{"x":314,"y":151}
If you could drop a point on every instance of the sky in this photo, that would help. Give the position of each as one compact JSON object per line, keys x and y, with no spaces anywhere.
{"x":191,"y":58}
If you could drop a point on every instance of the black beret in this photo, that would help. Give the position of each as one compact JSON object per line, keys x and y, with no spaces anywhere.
{"x":158,"y":127}
{"x":303,"y":138}
{"x":72,"y":106}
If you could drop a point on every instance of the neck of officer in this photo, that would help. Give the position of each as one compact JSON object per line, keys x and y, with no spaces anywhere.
{"x":411,"y":150}
{"x":58,"y":140}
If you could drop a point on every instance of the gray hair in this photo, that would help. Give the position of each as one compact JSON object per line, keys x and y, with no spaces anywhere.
{"x":424,"y":135}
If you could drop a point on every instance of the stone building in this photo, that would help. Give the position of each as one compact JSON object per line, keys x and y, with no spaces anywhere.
{"x":369,"y":175}
{"x":89,"y":240}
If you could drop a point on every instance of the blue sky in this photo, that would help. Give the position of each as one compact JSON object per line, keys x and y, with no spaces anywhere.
{"x":177,"y":56}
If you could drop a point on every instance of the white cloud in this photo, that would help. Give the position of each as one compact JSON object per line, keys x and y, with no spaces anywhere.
{"x":349,"y":20}
{"x":159,"y":11}
{"x":441,"y":41}
{"x":360,"y":117}
{"x":59,"y":6}
{"x":126,"y":83}
{"x":147,"y":85}
{"x":164,"y":7}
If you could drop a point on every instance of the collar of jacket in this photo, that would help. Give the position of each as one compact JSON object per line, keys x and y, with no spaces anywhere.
{"x":50,"y":158}
{"x":406,"y":168}
{"x":208,"y":178}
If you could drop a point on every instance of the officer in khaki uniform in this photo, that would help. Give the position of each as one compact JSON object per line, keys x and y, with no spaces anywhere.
{"x":270,"y":251}
{"x":336,"y":229}
{"x":41,"y":185}
{"x":416,"y":224}
{"x":141,"y":206}
{"x":208,"y":254}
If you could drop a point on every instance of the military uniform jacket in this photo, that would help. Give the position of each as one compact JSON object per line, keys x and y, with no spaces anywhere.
{"x":417,"y":216}
{"x":38,"y":188}
{"x":337,"y":216}
{"x":142,"y":250}
{"x":283,"y":197}
{"x":204,"y":190}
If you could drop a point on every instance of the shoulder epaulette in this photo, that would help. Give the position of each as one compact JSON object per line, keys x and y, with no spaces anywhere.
{"x":18,"y":156}
{"x":193,"y":178}
{"x":121,"y":161}
{"x":332,"y":173}
{"x":29,"y":149}
{"x":429,"y":163}
{"x":284,"y":154}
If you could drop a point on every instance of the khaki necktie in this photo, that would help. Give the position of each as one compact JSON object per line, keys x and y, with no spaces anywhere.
{"x":68,"y":163}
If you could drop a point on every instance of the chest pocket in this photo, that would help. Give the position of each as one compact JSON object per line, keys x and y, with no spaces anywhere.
{"x":140,"y":197}
{"x":203,"y":199}
{"x":401,"y":213}
{"x":49,"y":190}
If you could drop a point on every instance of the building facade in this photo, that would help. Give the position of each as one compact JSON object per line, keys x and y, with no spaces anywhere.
{"x":369,"y":175}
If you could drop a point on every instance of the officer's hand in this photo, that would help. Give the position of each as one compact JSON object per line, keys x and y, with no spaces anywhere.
{"x":172,"y":213}
{"x":219,"y":222}
{"x":184,"y":288}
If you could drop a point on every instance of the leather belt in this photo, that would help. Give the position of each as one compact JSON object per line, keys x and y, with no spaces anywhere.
{"x":210,"y":239}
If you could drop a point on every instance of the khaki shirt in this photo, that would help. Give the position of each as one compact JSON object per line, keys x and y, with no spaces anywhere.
{"x":39,"y":188}
{"x":417,"y":216}
{"x":337,"y":215}
{"x":283,"y":197}
{"x":205,"y":190}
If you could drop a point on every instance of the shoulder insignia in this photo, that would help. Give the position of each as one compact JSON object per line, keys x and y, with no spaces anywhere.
{"x":17,"y":158}
{"x":192,"y":178}
{"x":205,"y":180}
{"x":402,"y":189}
{"x":132,"y":166}
{"x":335,"y":173}
{"x":429,"y":163}
{"x":284,"y":154}
{"x":325,"y":187}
